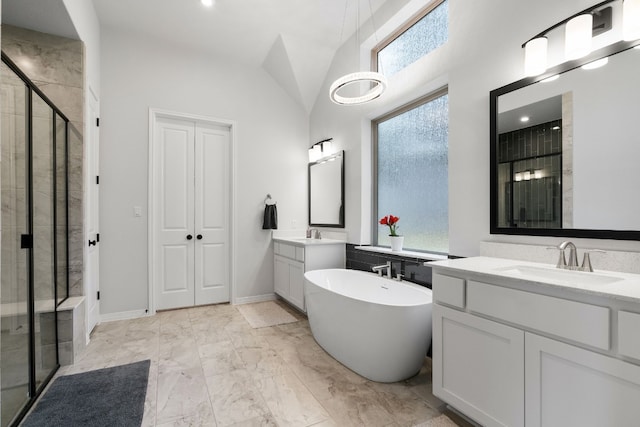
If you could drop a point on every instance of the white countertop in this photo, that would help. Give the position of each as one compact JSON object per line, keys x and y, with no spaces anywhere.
{"x":624,"y":286}
{"x":301,"y":241}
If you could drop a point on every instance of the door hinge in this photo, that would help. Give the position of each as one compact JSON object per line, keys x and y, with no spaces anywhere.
{"x":98,"y":295}
{"x":98,"y":237}
{"x":26,"y":241}
{"x":98,"y":121}
{"x":97,"y":179}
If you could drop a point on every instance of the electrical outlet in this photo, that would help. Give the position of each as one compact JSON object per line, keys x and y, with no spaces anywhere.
{"x":137,"y":211}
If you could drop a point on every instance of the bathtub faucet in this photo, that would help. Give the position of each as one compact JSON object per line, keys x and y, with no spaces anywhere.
{"x":378,"y":269}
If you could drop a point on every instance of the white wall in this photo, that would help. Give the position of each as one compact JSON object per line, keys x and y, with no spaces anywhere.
{"x":483,"y":53}
{"x":272,"y":137}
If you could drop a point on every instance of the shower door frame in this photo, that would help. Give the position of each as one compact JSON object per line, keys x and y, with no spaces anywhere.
{"x":31,"y":88}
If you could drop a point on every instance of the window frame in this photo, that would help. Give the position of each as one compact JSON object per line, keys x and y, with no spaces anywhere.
{"x":401,"y":30}
{"x":374,"y":155}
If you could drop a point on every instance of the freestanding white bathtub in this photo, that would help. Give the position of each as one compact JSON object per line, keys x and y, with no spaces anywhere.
{"x":378,"y":328}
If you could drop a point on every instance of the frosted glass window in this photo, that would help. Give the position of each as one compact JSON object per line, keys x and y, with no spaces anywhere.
{"x":412,"y":175}
{"x":421,"y":38}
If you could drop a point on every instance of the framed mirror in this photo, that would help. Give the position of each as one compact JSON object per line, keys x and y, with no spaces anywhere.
{"x":565,"y":150}
{"x":326,"y":192}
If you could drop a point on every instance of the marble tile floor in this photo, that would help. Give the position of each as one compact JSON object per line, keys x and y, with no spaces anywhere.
{"x":210,"y":368}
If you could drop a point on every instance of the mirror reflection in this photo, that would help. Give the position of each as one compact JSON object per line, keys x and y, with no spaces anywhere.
{"x":566,"y":151}
{"x":326,"y":191}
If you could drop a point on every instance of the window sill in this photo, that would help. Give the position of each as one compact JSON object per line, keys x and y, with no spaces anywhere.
{"x":411,"y":254}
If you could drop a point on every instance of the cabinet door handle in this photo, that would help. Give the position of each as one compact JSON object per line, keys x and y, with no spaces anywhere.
{"x":189,"y":237}
{"x":199,"y":237}
{"x":92,"y":242}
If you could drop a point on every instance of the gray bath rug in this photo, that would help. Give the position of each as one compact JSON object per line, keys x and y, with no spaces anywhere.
{"x":103,"y":398}
{"x":263,"y":314}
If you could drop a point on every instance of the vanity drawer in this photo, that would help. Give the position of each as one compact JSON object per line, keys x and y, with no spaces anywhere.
{"x":288,"y":251}
{"x":583,"y":323}
{"x":448,"y":290}
{"x":628,"y":337}
{"x":300,"y":254}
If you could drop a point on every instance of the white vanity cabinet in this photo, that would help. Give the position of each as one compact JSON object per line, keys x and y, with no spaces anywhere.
{"x":293,"y":257}
{"x":478,"y":367}
{"x":510,"y":352}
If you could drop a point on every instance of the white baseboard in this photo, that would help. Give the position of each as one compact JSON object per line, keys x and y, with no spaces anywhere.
{"x":123,"y":315}
{"x":257,"y":298}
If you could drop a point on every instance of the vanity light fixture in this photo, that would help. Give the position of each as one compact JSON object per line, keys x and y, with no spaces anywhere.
{"x":207,"y":3}
{"x":579,"y":29}
{"x":596,"y":64}
{"x":524,"y":119}
{"x":376,"y":80}
{"x":631,"y":20}
{"x":551,"y":79}
{"x":577,"y":36}
{"x":535,"y":56}
{"x":320,"y":150}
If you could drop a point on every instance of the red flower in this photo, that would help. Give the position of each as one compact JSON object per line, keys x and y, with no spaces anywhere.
{"x":390,"y":221}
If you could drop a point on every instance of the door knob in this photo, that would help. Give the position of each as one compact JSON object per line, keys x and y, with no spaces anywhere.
{"x":199,"y":237}
{"x":92,"y":242}
{"x":189,"y":237}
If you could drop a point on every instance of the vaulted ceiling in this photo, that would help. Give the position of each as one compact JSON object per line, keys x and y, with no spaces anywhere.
{"x":293,"y":40}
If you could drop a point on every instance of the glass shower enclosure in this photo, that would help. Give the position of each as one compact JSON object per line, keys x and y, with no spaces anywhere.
{"x":34,"y":255}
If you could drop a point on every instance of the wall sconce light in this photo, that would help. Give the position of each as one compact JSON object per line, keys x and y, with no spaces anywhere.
{"x":579,"y":30}
{"x":631,"y":20}
{"x":528,"y":175}
{"x":577,"y":36}
{"x":320,"y":150}
{"x":535,"y":56}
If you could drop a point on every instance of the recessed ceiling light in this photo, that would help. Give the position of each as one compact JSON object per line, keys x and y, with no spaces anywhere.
{"x":596,"y":64}
{"x":207,"y":3}
{"x":524,"y":119}
{"x":550,"y":79}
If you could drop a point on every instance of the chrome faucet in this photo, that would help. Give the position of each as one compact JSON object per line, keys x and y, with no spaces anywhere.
{"x":313,"y":232}
{"x":378,"y":269}
{"x":573,"y":256}
{"x":572,"y":264}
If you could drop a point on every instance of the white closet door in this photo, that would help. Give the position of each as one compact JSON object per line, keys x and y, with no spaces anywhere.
{"x":174,"y":180}
{"x":211,"y":214}
{"x":92,"y":264}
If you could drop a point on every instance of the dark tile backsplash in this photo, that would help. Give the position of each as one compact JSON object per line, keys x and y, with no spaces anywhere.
{"x":412,"y":269}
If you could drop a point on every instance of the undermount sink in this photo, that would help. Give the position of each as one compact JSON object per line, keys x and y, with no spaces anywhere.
{"x":560,"y":275}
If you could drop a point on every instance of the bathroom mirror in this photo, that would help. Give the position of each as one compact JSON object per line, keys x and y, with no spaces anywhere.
{"x":564,"y":151}
{"x":326,"y":192}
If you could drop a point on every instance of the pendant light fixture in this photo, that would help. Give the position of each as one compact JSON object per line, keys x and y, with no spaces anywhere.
{"x":377,"y":81}
{"x":631,"y":20}
{"x":577,"y":36}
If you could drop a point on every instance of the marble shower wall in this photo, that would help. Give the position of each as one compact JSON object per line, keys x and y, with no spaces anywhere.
{"x":56,"y":65}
